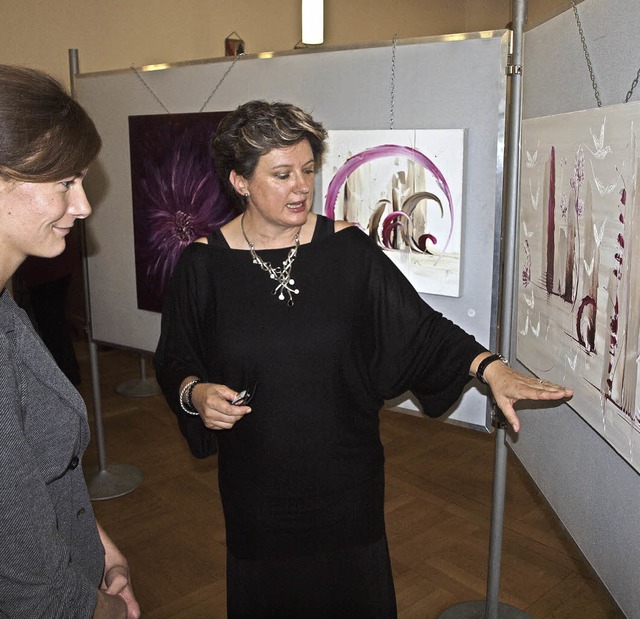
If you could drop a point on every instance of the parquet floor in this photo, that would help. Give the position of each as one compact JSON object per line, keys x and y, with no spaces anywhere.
{"x":439,"y":483}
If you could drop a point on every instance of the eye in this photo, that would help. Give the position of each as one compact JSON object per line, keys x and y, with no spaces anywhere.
{"x":310,"y":171}
{"x":283,"y":176}
{"x":66,"y":184}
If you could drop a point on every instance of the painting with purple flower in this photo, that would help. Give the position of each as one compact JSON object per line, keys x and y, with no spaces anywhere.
{"x":578,"y":317}
{"x":177,"y":196}
{"x":403,"y":187}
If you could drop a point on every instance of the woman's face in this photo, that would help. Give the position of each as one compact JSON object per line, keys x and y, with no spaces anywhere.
{"x":35,"y":218}
{"x":281,"y":188}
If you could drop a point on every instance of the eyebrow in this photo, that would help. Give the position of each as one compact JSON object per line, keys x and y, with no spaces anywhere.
{"x":291,"y":165}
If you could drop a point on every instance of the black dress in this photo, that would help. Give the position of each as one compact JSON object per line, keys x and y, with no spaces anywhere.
{"x":302,"y":474}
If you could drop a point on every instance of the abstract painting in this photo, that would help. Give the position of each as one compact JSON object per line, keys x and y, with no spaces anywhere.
{"x":404,"y":188}
{"x":177,"y":196}
{"x":579,"y":290}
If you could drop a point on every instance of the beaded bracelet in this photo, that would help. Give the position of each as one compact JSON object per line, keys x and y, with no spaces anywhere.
{"x":186,"y":403}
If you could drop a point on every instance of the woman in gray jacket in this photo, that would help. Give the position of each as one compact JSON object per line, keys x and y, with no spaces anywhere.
{"x":55,"y":560}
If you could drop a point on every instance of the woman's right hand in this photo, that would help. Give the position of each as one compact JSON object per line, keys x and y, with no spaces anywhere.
{"x":213,"y":403}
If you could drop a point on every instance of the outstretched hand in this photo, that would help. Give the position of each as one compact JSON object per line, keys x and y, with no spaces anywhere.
{"x":509,"y":386}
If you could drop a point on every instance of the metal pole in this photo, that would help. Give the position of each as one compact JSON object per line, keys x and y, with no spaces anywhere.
{"x":492,"y":608}
{"x":93,"y":353}
{"x":507,"y":298}
{"x":117,"y":479}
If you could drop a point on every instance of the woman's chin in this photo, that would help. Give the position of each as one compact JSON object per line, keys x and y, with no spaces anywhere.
{"x":53,"y":251}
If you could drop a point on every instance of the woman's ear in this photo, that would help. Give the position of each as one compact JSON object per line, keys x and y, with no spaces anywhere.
{"x":239,"y":182}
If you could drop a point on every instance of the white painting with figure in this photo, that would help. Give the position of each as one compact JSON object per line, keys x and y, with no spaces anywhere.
{"x":579,"y":246}
{"x":403,"y":187}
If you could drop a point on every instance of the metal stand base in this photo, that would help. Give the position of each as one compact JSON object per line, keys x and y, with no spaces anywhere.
{"x":116,"y":480}
{"x":138,"y":387}
{"x":476,"y":610}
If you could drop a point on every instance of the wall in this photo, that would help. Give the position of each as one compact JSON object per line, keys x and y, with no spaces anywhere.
{"x":594,"y":492}
{"x":119,"y":33}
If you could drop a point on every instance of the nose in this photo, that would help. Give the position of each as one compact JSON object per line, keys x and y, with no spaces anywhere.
{"x":303,"y":185}
{"x":80,"y":206}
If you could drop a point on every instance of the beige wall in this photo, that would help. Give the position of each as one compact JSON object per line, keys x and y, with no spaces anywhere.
{"x":114,"y":34}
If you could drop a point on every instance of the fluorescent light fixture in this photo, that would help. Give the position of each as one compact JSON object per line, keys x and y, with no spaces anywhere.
{"x":155,"y":67}
{"x":312,"y":22}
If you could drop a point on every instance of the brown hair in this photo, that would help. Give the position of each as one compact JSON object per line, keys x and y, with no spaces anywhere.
{"x":254,"y":129}
{"x":45,"y":135}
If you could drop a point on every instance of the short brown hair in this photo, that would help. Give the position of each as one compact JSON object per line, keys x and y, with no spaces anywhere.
{"x":254,"y":129}
{"x":45,"y":135}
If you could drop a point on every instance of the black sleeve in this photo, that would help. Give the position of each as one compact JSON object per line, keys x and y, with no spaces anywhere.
{"x":416,"y":348}
{"x":181,"y":348}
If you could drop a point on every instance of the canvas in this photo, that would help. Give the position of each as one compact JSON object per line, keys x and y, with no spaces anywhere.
{"x":176,"y":194}
{"x":579,"y":298}
{"x":404,"y":187}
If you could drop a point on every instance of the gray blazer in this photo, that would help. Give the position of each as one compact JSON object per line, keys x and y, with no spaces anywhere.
{"x":51,"y":557}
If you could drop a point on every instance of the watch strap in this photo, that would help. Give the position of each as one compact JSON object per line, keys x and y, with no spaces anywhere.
{"x":485,"y":362}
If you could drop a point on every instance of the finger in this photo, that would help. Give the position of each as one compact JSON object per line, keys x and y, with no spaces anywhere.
{"x":133,"y":608}
{"x":547,"y":384}
{"x":510,"y":415}
{"x":555,"y":394}
{"x":224,"y":392}
{"x":116,"y":583}
{"x":549,"y":390}
{"x":512,"y":418}
{"x":224,"y":412}
{"x":221,"y":420}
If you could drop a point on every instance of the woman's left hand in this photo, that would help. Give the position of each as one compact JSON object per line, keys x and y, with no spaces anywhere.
{"x":116,"y":579}
{"x":509,"y":386}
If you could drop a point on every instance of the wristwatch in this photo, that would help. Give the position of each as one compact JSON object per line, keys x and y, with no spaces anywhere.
{"x":485,"y":362}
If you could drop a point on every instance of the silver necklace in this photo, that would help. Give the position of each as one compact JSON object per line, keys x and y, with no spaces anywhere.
{"x":281,"y":274}
{"x":590,"y":66}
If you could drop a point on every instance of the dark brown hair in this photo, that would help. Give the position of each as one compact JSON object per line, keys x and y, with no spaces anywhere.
{"x":254,"y":129}
{"x":45,"y":135}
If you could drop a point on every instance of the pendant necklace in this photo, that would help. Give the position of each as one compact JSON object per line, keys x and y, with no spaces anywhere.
{"x":281,"y":274}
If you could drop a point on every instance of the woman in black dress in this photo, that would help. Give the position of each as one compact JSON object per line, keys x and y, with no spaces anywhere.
{"x":320,"y":327}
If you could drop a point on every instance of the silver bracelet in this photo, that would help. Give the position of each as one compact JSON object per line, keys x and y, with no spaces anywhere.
{"x":188,"y":389}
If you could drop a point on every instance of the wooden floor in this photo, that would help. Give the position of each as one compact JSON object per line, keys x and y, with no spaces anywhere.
{"x":439,"y":480}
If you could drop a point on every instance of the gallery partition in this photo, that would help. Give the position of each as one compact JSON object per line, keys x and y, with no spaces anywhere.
{"x":583,"y":456}
{"x":435,"y":83}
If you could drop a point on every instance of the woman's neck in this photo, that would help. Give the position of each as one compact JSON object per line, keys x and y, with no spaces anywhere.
{"x":270,"y":237}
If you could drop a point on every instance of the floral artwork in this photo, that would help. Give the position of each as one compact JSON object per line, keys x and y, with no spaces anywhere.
{"x":177,"y":196}
{"x":403,"y":187}
{"x":579,"y":292}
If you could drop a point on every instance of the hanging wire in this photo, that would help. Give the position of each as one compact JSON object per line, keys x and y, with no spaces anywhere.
{"x":586,"y":54}
{"x":213,"y":92}
{"x":590,"y":66}
{"x":149,"y":89}
{"x":393,"y":82}
{"x":633,"y":85}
